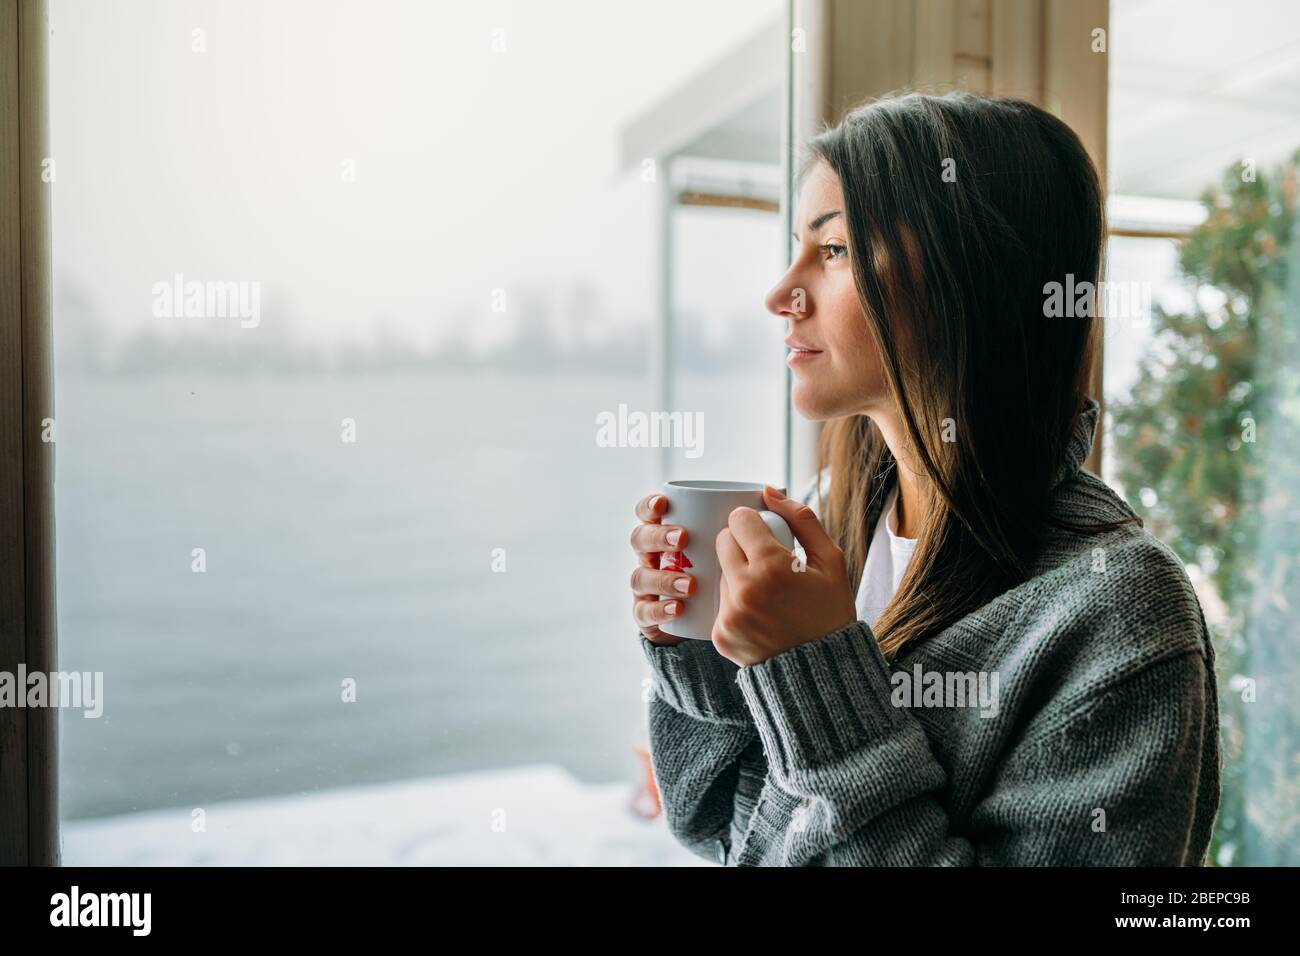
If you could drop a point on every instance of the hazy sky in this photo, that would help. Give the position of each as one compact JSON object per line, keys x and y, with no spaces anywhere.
{"x":474,"y":169}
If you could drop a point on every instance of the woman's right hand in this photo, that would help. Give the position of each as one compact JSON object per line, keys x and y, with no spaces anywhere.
{"x":649,"y":540}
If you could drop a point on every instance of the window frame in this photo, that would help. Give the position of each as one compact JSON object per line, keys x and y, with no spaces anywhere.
{"x":29,"y":824}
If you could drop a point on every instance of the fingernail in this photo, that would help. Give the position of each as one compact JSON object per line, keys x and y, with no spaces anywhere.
{"x":674,"y":536}
{"x":682,"y":584}
{"x":774,"y":492}
{"x":671,"y":607}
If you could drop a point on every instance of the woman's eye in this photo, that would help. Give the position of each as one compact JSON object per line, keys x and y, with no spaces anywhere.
{"x":835,"y":251}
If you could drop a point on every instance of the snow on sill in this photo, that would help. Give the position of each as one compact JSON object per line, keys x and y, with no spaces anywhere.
{"x":537,"y":815}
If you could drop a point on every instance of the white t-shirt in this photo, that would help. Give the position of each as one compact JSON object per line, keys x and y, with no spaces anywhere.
{"x":887,"y":557}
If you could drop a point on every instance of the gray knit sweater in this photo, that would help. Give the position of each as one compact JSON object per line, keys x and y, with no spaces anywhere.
{"x":1087,"y":733}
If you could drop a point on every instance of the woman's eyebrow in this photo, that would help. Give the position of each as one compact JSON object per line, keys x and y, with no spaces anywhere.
{"x":818,"y":222}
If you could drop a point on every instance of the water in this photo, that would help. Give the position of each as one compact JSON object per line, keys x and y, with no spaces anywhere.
{"x":370,"y":561}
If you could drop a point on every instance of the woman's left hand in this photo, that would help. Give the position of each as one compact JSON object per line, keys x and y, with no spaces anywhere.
{"x":769,"y":601}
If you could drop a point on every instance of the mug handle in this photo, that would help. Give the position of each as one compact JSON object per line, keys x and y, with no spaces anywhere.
{"x":780,"y":530}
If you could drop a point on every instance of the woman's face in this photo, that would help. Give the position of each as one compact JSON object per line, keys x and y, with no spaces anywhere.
{"x":817,"y":295}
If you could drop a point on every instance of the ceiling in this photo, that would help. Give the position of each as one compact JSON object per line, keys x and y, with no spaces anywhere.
{"x":1198,"y":85}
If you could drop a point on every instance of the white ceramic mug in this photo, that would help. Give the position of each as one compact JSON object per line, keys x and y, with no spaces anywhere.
{"x":702,"y":508}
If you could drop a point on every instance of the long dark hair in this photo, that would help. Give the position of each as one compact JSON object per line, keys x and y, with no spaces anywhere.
{"x":960,"y":209}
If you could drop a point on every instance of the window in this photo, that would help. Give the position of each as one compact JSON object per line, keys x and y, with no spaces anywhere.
{"x":1203,"y":398}
{"x":333,"y":336}
{"x":352,"y":303}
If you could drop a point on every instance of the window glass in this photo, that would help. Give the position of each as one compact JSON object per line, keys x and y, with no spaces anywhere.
{"x":1203,"y":400}
{"x":341,"y":290}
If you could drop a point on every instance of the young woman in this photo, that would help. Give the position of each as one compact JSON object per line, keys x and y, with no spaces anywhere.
{"x":987,"y":660}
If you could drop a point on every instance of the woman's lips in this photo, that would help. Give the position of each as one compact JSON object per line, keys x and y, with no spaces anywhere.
{"x":799,"y":356}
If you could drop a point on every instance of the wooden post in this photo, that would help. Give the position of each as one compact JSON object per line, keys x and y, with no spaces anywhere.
{"x":28,"y":736}
{"x":1076,"y":86}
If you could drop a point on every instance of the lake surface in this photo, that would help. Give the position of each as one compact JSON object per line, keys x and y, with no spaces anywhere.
{"x":371,"y":561}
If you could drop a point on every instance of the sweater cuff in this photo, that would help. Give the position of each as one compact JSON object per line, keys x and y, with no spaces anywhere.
{"x":693,"y":678}
{"x":818,"y":702}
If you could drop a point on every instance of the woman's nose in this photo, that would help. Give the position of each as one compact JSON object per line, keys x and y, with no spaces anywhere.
{"x":787,"y":298}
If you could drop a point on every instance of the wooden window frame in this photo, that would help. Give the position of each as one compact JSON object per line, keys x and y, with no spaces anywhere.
{"x":29,"y":819}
